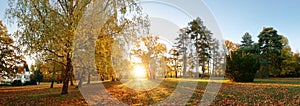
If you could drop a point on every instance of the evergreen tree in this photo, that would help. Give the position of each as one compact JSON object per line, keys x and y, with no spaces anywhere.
{"x":270,"y":47}
{"x":241,"y":67}
{"x":247,"y":40}
{"x":38,"y":76}
{"x":215,"y":54}
{"x":182,"y":46}
{"x":202,"y":37}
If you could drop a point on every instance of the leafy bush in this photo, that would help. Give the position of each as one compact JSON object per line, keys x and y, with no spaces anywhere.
{"x":241,"y":67}
{"x":38,"y":76}
{"x":33,"y":82}
{"x":17,"y":83}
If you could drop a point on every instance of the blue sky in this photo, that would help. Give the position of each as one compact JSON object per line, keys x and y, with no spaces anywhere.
{"x":235,"y":17}
{"x":3,"y":6}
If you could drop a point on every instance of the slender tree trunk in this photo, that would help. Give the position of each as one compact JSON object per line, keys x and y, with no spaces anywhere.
{"x":203,"y":68}
{"x":214,"y":66}
{"x":53,"y":78}
{"x":89,"y":77}
{"x":71,"y":80}
{"x":184,"y":63}
{"x":197,"y":68}
{"x":81,"y":79}
{"x":67,"y":75}
{"x":208,"y":69}
{"x":71,"y":76}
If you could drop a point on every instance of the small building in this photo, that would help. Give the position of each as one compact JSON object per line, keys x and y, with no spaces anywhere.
{"x":23,"y":74}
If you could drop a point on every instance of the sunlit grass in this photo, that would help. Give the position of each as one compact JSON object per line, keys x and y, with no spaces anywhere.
{"x":260,"y":92}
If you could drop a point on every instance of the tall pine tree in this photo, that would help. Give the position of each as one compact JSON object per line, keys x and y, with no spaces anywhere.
{"x":270,"y":47}
{"x":247,"y":40}
{"x":202,"y":37}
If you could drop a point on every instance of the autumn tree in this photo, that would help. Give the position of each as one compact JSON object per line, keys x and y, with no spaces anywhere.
{"x":296,"y":56}
{"x":49,"y":26}
{"x":83,"y":67}
{"x":173,"y":62}
{"x":10,"y":56}
{"x":119,"y":61}
{"x":149,"y":50}
{"x":287,"y":67}
{"x":230,"y":47}
{"x":118,"y":31}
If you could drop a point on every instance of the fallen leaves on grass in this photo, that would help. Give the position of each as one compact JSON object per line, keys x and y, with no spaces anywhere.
{"x":243,"y":94}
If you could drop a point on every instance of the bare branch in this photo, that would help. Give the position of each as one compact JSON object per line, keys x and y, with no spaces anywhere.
{"x":47,"y":49}
{"x":56,"y":61}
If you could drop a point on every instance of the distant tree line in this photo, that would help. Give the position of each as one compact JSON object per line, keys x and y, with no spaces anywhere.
{"x":271,"y":56}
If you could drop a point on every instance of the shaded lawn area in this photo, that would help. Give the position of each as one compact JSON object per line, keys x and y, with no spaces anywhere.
{"x":284,"y":91}
{"x":39,"y":95}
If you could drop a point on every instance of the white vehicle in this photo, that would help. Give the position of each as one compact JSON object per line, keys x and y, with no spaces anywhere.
{"x":23,"y":77}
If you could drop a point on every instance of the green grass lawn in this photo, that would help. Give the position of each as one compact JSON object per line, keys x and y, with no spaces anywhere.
{"x":278,"y":91}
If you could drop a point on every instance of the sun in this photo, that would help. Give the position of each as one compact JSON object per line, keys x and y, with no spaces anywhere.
{"x":139,"y":71}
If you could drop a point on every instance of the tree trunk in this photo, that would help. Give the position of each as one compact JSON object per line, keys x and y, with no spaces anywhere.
{"x":81,"y":79}
{"x":184,"y":63}
{"x":53,"y":77}
{"x":213,"y":68}
{"x":203,"y":68}
{"x":89,"y":77}
{"x":71,"y":80}
{"x":112,"y":78}
{"x":71,"y":77}
{"x":52,"y":83}
{"x":209,"y":73}
{"x":67,"y":75}
{"x":197,"y":68}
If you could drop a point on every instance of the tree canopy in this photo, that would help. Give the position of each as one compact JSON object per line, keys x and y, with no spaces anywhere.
{"x":48,"y":27}
{"x":10,"y":57}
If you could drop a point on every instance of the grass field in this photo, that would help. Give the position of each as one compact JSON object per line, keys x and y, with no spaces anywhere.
{"x":284,"y":91}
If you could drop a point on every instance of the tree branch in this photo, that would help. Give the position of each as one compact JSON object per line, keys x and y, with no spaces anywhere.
{"x":56,"y":61}
{"x":60,"y":56}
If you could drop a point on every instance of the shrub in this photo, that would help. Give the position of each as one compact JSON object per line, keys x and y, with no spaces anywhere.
{"x":38,"y":76}
{"x":31,"y":82}
{"x":27,"y":83}
{"x":17,"y":83}
{"x":241,"y":67}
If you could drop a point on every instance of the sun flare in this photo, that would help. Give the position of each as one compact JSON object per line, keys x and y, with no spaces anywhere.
{"x":139,"y":71}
